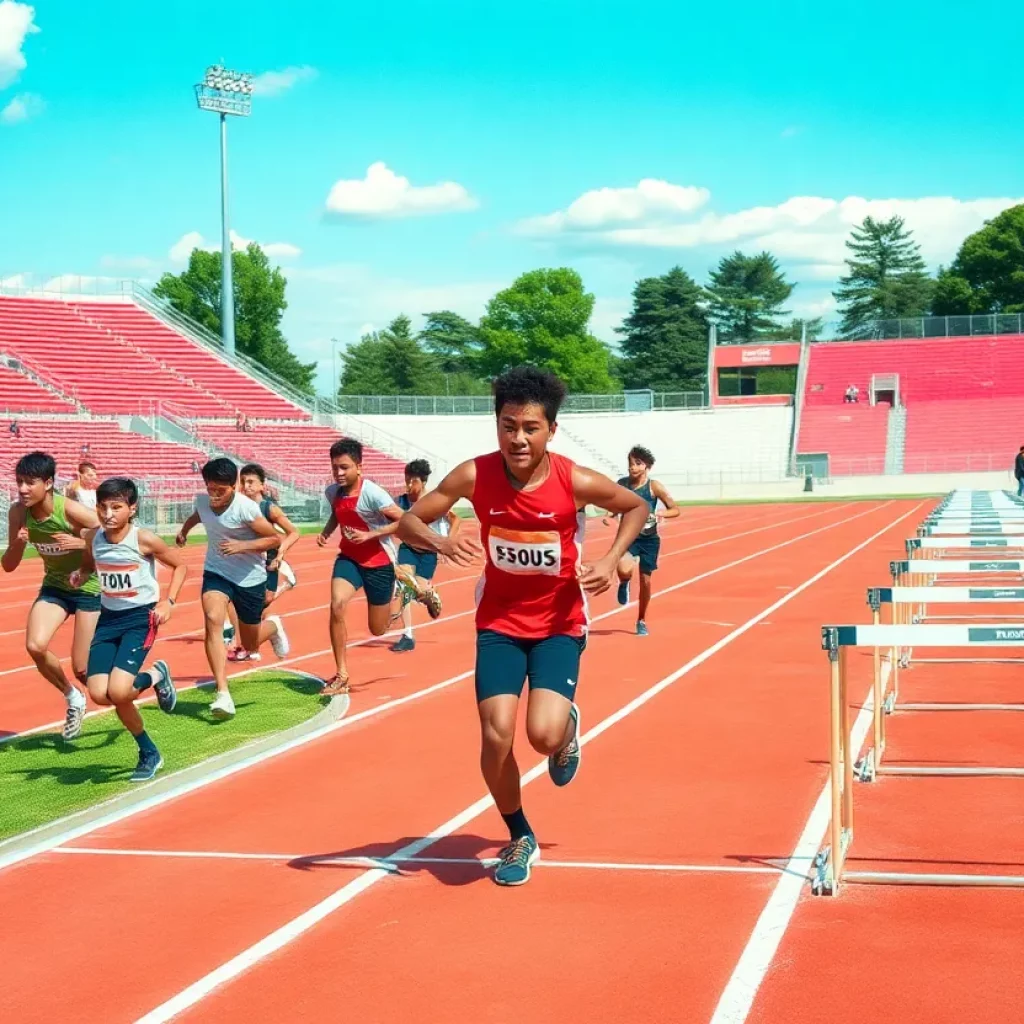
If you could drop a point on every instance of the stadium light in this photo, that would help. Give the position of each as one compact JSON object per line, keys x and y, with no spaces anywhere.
{"x":225,"y":92}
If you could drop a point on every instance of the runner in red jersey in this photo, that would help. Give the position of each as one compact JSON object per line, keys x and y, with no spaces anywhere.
{"x":531,"y":614}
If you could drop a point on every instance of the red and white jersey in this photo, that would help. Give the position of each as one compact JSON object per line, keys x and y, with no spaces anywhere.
{"x":534,"y":544}
{"x":361,"y":510}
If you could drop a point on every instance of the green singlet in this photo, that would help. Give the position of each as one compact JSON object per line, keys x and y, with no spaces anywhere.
{"x":58,"y":565}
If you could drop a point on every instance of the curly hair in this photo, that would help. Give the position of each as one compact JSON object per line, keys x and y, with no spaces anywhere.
{"x":641,"y":454}
{"x":529,"y":385}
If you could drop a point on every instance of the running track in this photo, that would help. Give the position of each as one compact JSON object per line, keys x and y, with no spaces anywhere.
{"x":661,"y":895}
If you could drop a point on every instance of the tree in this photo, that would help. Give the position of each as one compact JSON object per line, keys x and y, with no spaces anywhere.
{"x":456,"y":346}
{"x":747,"y":295}
{"x":987,"y":275}
{"x":815,"y":328}
{"x":885,"y":279}
{"x":259,"y":305}
{"x":665,"y":338}
{"x":389,"y":362}
{"x":542,"y":319}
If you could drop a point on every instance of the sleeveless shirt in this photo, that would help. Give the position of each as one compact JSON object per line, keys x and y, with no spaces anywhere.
{"x":127,"y":577}
{"x":57,"y":565}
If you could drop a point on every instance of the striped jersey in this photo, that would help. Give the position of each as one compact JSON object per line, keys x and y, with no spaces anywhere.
{"x":127,"y":576}
{"x":361,"y":510}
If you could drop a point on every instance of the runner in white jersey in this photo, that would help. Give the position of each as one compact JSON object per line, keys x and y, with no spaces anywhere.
{"x":124,"y":557}
{"x":83,"y":490}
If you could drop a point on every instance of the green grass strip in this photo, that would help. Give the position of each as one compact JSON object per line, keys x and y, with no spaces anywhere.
{"x":42,"y":778}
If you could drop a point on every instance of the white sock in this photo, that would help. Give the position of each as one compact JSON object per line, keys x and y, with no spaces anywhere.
{"x":407,"y":632}
{"x":75,"y":697}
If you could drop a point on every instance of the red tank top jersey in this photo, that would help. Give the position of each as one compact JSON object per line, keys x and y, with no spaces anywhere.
{"x":533,"y":543}
{"x":361,"y":511}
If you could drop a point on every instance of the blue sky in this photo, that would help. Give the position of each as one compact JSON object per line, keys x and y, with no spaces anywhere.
{"x":616,"y":138}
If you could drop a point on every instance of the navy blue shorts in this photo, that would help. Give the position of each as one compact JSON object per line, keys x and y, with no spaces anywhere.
{"x":70,"y":600}
{"x":122,"y":640}
{"x":422,"y":563}
{"x":248,"y":601}
{"x":273,"y":580}
{"x":379,"y":580}
{"x":504,"y":663}
{"x":645,"y":551}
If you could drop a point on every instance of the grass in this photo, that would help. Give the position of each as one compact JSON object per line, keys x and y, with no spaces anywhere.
{"x":42,"y":778}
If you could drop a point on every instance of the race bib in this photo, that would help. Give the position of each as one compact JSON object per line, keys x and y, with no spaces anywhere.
{"x":119,"y":580}
{"x":50,"y":550}
{"x":525,"y":553}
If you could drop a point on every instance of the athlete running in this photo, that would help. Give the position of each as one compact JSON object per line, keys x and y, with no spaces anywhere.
{"x":644,"y":550}
{"x":531,"y":615}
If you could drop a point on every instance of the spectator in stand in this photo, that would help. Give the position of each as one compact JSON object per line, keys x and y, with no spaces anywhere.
{"x":240,"y":421}
{"x":15,"y":428}
{"x":852,"y":393}
{"x":1018,"y":471}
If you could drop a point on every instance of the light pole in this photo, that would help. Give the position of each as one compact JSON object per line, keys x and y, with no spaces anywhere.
{"x":225,"y":92}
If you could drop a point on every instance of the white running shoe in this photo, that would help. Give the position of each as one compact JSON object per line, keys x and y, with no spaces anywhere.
{"x":279,"y":641}
{"x":74,"y":716}
{"x":288,"y":574}
{"x":223,"y":706}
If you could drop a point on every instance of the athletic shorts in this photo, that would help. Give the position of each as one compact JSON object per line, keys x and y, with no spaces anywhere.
{"x":645,"y":551}
{"x":70,"y":600}
{"x":422,"y":563}
{"x":248,"y":601}
{"x":504,"y":663}
{"x":123,"y":639}
{"x":379,"y":580}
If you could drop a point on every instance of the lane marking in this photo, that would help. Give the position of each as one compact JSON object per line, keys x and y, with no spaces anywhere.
{"x":374,"y":862}
{"x":740,"y":990}
{"x":6,"y":860}
{"x":291,"y":930}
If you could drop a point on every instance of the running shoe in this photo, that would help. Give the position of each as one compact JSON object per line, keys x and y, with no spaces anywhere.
{"x":641,"y":628}
{"x":229,"y":632}
{"x":405,"y":643}
{"x":73,"y":717}
{"x":623,"y":594}
{"x":431,"y":600}
{"x":223,"y":706}
{"x":279,"y":641}
{"x":163,"y":687}
{"x":241,"y":654}
{"x":565,"y":763}
{"x":516,"y":860}
{"x":149,"y":764}
{"x":288,"y":574}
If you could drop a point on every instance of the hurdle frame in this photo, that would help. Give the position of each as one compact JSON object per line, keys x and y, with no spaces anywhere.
{"x":829,"y":865}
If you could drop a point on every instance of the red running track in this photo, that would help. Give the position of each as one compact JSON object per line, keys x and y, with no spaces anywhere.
{"x":702,"y":761}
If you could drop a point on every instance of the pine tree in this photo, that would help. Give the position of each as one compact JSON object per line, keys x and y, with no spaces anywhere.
{"x":747,"y":296}
{"x":886,"y":277}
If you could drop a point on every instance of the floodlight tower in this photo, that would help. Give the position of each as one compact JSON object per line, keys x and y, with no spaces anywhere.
{"x":225,"y":92}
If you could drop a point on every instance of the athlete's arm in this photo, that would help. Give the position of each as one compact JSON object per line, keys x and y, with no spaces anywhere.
{"x":268,"y":538}
{"x":413,"y":527}
{"x":88,"y":566}
{"x":660,"y":491}
{"x":390,"y":512}
{"x":591,"y":488}
{"x":80,"y":518}
{"x":325,"y":534}
{"x":291,"y":534}
{"x":17,"y":533}
{"x":190,"y":524}
{"x":151,"y":544}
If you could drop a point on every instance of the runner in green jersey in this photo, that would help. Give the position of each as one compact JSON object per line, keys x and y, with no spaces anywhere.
{"x":53,"y":524}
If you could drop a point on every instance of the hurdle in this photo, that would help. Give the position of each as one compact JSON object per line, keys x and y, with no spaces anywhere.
{"x":923,"y":572}
{"x":829,"y":864}
{"x":936,"y":547}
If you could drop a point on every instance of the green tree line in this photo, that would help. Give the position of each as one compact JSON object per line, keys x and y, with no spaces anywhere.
{"x":543,"y":317}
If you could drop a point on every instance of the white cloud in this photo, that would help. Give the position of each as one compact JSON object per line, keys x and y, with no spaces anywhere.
{"x":21,"y":108}
{"x":803,"y":229}
{"x":273,"y":83}
{"x":17,"y":21}
{"x":382,"y":193}
{"x":127,"y":263}
{"x":182,"y":249}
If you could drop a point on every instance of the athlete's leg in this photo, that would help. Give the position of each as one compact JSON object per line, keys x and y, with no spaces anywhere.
{"x":85,"y":630}
{"x":44,"y":619}
{"x":627,"y":563}
{"x":123,"y":689}
{"x":645,"y":596}
{"x":215,"y":606}
{"x":379,"y":583}
{"x":552,"y":716}
{"x":343,"y":589}
{"x":649,"y":550}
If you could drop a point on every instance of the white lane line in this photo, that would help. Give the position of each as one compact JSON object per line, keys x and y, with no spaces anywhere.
{"x":373,"y":862}
{"x":291,"y":930}
{"x":740,"y":990}
{"x":6,"y":860}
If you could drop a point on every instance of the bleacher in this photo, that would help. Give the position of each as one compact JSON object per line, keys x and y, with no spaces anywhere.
{"x":194,"y":362}
{"x":298,"y":452}
{"x":19,"y":393}
{"x":113,"y":451}
{"x":963,"y":398}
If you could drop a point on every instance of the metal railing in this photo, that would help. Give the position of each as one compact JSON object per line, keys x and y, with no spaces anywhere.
{"x":939,"y":327}
{"x":483,"y":405}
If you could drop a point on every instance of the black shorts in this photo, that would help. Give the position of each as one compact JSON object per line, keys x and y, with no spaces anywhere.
{"x":422,"y":563}
{"x":122,"y":640}
{"x":504,"y":663}
{"x":379,"y":580}
{"x":645,"y":551}
{"x":248,"y":601}
{"x":70,"y":600}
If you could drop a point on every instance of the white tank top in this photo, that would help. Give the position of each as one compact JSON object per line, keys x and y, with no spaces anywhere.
{"x":86,"y":498}
{"x":127,"y":577}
